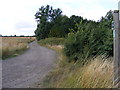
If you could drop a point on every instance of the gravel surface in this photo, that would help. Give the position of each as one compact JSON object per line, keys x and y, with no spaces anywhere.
{"x":29,"y":68}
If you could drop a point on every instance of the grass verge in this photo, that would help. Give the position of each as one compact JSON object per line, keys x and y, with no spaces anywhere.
{"x":97,"y":73}
{"x":52,"y":41}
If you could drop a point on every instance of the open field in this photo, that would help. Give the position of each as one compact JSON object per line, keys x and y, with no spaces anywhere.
{"x":12,"y":46}
{"x":96,"y":73}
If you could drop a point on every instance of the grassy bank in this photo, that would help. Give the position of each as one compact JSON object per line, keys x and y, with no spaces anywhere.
{"x":13,"y":46}
{"x":52,"y":41}
{"x":97,"y":73}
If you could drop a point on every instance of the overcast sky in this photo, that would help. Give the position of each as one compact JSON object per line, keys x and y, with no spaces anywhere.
{"x":17,"y":16}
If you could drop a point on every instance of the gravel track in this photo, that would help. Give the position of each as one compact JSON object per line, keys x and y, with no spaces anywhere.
{"x":29,"y":68}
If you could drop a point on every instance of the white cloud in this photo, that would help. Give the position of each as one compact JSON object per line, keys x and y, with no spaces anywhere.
{"x":14,"y":14}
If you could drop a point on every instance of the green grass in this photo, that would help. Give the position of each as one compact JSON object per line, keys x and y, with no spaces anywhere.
{"x":52,"y":41}
{"x":97,"y":73}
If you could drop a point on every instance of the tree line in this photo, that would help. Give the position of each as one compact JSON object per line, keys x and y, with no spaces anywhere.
{"x":52,"y":23}
{"x":84,"y":38}
{"x":17,"y":35}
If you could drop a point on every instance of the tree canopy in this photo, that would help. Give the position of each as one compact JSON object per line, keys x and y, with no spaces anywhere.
{"x":46,"y":18}
{"x":84,"y":37}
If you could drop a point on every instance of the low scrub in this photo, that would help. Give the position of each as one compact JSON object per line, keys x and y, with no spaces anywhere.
{"x":13,"y":46}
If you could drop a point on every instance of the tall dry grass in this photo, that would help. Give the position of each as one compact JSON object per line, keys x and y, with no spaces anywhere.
{"x":12,"y":46}
{"x":96,"y":73}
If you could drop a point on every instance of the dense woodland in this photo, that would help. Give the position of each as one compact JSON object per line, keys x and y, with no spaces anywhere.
{"x":84,"y":38}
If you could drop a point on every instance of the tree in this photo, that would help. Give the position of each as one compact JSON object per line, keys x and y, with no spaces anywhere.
{"x":107,"y":20}
{"x":89,"y":38}
{"x":60,"y":28}
{"x":15,"y":36}
{"x":46,"y":18}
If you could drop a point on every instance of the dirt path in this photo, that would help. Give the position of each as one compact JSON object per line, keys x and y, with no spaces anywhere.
{"x":25,"y":70}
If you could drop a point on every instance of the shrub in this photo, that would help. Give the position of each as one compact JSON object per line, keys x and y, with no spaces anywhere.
{"x":57,"y":31}
{"x":91,"y":41}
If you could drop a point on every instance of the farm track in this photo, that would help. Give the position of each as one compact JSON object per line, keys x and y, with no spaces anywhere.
{"x":29,"y":68}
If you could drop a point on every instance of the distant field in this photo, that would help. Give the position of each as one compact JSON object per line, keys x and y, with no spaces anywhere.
{"x":13,"y":46}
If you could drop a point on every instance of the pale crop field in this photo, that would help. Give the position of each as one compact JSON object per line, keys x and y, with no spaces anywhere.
{"x":12,"y":46}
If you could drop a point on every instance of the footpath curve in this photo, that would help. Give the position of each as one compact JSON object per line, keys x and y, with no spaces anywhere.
{"x":29,"y":68}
